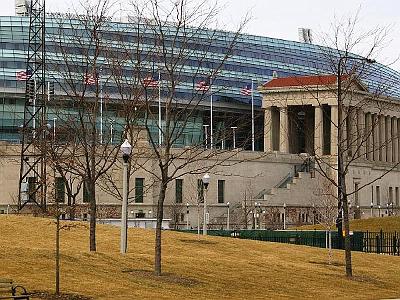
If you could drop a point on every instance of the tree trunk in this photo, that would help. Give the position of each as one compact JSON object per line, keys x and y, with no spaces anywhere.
{"x":347,"y":241}
{"x":57,"y":252}
{"x":72,"y":209}
{"x":93,"y":208}
{"x":160,"y":213}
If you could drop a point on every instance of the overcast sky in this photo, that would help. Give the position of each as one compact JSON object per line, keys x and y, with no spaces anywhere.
{"x":281,"y":19}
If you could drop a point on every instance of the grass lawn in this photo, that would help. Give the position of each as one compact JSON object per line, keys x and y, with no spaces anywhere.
{"x":194,"y":268}
{"x":387,"y":224}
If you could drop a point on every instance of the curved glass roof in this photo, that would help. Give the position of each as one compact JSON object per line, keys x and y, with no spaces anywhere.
{"x":253,"y":57}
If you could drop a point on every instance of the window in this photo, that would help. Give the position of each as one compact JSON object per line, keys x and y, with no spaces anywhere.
{"x":140,"y":215}
{"x":390,"y":195}
{"x":372,"y":194}
{"x":396,"y":191}
{"x":85,"y":192}
{"x":356,"y":198}
{"x":178,"y":190}
{"x":139,"y":183}
{"x":200,"y":191}
{"x":221,"y":191}
{"x":378,"y":195}
{"x":59,"y":189}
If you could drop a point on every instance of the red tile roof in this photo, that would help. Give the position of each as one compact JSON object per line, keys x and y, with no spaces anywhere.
{"x":301,"y":81}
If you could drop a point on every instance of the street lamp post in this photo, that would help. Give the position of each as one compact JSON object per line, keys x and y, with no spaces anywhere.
{"x":126,"y":150}
{"x":54,"y":129}
{"x":206,"y":135}
{"x":187,"y":215}
{"x":342,"y":203}
{"x":111,"y":130}
{"x":227,"y":218}
{"x":258,"y":211}
{"x":206,"y":181}
{"x":255,"y":215}
{"x":234,"y":136}
{"x":379,"y":210}
{"x":372,"y":209}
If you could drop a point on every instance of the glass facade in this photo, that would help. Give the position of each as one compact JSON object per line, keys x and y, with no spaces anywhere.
{"x":253,"y":58}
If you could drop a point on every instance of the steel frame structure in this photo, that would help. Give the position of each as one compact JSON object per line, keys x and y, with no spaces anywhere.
{"x":34,"y":131}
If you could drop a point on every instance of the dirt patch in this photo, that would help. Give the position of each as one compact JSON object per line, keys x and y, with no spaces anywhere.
{"x":165,"y":277}
{"x":325,"y":263}
{"x":369,"y":279}
{"x":63,"y":296}
{"x":204,"y":242}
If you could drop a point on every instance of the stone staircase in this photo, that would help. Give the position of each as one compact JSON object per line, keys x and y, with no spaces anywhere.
{"x":297,"y":192}
{"x":295,"y":188}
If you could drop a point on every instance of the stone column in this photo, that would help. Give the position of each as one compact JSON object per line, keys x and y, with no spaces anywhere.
{"x":375,"y":144}
{"x":369,"y":136}
{"x":388,"y":135}
{"x":267,"y":129}
{"x":395,"y":143}
{"x":382,"y":138}
{"x":334,"y":130}
{"x":283,"y":130}
{"x":398,"y":138}
{"x":318,"y":131}
{"x":361,"y":134}
{"x":352,"y":131}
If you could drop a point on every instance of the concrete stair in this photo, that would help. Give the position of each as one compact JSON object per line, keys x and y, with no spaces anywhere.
{"x":298,"y":190}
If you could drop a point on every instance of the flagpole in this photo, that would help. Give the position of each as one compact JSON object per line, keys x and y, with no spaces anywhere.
{"x":48,"y":91}
{"x":101,"y":108}
{"x":211,"y":116}
{"x":252,"y":115}
{"x":159,"y":109}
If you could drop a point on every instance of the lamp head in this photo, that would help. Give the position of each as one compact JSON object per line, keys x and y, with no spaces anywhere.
{"x":126,"y":150}
{"x":206,"y":180}
{"x":126,"y":147}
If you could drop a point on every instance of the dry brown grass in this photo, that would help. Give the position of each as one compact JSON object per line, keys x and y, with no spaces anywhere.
{"x":387,"y":224}
{"x":205,"y":268}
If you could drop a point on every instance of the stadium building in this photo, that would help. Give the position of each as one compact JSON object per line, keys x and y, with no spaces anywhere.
{"x":271,"y":185}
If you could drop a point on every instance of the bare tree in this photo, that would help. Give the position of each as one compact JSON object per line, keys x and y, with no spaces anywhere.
{"x":354,"y":134}
{"x":175,"y":27}
{"x":350,"y":108}
{"x":81,"y":82}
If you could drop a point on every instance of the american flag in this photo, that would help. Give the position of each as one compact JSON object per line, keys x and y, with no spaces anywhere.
{"x":23,"y":75}
{"x":89,"y":79}
{"x":150,"y":81}
{"x":203,"y":85}
{"x":246,"y":91}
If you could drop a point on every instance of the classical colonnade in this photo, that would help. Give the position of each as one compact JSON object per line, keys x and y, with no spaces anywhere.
{"x":368,"y":135}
